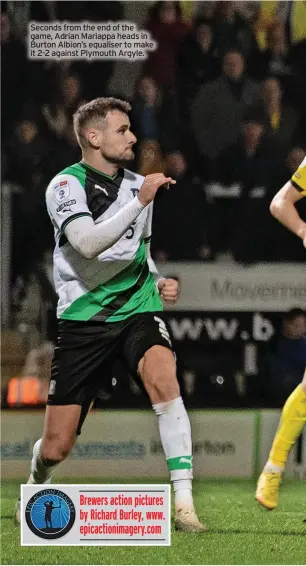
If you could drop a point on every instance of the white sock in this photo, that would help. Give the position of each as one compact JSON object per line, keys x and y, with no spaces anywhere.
{"x":272,"y":468}
{"x":40,"y":473}
{"x":175,"y":434}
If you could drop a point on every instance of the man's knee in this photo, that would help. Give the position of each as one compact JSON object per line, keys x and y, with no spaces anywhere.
{"x":54,"y":450}
{"x":158,"y":373}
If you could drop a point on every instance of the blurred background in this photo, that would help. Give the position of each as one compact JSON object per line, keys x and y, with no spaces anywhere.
{"x":221,"y":106}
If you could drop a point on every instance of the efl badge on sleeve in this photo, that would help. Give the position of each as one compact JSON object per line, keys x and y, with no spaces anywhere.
{"x":61,"y":191}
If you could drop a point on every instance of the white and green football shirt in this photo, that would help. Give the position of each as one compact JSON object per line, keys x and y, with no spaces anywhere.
{"x":117,"y":284}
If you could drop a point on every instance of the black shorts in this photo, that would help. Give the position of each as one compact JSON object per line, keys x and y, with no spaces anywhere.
{"x":86,"y":351}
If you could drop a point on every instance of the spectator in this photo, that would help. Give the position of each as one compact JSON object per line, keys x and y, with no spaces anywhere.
{"x":146,"y":120}
{"x":155,"y":122}
{"x":275,"y":60}
{"x":57,"y":122}
{"x":281,"y":120}
{"x":167,"y":29}
{"x":146,"y":109}
{"x":269,"y":14}
{"x":28,"y":156}
{"x":232,"y":31}
{"x":14,"y":76}
{"x":205,"y":9}
{"x":294,"y":160}
{"x":188,"y":237}
{"x":196,"y":63}
{"x":219,"y":106}
{"x":245,"y":176}
{"x":286,"y":358}
{"x":58,"y":114}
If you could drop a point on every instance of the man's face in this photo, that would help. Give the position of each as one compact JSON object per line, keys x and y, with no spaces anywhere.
{"x":296,"y":328}
{"x":115,"y":139}
{"x":5,"y":28}
{"x":204,"y":36}
{"x":233,"y":65}
{"x":271,"y":91}
{"x":252,"y":132}
{"x":71,"y":89}
{"x":295,"y":158}
{"x":27,"y":131}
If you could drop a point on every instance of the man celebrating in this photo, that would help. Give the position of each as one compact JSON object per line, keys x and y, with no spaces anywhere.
{"x":110,"y":298}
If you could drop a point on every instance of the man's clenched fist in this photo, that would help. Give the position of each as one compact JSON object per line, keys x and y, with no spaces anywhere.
{"x":168,"y":290}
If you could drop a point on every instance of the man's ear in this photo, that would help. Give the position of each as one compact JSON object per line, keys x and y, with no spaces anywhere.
{"x":94,"y":137}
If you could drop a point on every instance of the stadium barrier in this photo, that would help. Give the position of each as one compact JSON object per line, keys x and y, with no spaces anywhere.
{"x":119,"y":444}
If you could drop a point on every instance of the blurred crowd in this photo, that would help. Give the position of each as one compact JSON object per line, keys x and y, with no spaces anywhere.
{"x":220,"y":105}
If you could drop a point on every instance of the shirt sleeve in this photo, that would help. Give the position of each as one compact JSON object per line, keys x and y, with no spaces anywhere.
{"x":66,"y":200}
{"x":147,"y":239}
{"x":298,"y":179}
{"x":148,"y":227}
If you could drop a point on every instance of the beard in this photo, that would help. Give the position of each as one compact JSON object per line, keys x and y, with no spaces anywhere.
{"x":121,"y":159}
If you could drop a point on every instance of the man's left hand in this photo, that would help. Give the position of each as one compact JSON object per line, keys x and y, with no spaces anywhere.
{"x":168,"y":290}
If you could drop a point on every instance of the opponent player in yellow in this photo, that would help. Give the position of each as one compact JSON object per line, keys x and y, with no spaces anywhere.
{"x":293,"y":416}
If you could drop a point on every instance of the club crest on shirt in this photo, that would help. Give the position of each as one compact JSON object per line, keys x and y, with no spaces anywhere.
{"x":61,"y":191}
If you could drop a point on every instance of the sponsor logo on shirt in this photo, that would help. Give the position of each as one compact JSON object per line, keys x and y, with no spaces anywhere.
{"x":61,"y":191}
{"x":101,"y":189}
{"x":64,"y":206}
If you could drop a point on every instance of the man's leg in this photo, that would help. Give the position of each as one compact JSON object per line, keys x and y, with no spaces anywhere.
{"x":157,"y":369}
{"x":291,"y":424}
{"x":59,"y":436}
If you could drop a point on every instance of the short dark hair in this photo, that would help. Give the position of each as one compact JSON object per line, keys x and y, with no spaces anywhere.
{"x":293,"y":313}
{"x":94,"y":111}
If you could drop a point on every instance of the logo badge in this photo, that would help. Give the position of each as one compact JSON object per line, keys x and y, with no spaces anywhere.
{"x":62,"y":191}
{"x":101,"y":189}
{"x":50,"y":513}
{"x":187,"y":460}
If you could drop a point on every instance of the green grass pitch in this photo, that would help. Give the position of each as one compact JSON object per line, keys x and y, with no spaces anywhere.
{"x":240,"y":531}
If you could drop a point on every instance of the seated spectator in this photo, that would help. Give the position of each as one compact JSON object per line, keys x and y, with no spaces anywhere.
{"x":188,"y":237}
{"x":218,"y":108}
{"x":281,"y":120}
{"x":286,"y":357}
{"x":196,"y":64}
{"x":167,"y":28}
{"x":232,"y":31}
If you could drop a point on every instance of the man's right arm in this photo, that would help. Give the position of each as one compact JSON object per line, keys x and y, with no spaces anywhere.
{"x":283,"y":204}
{"x":73,"y":217}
